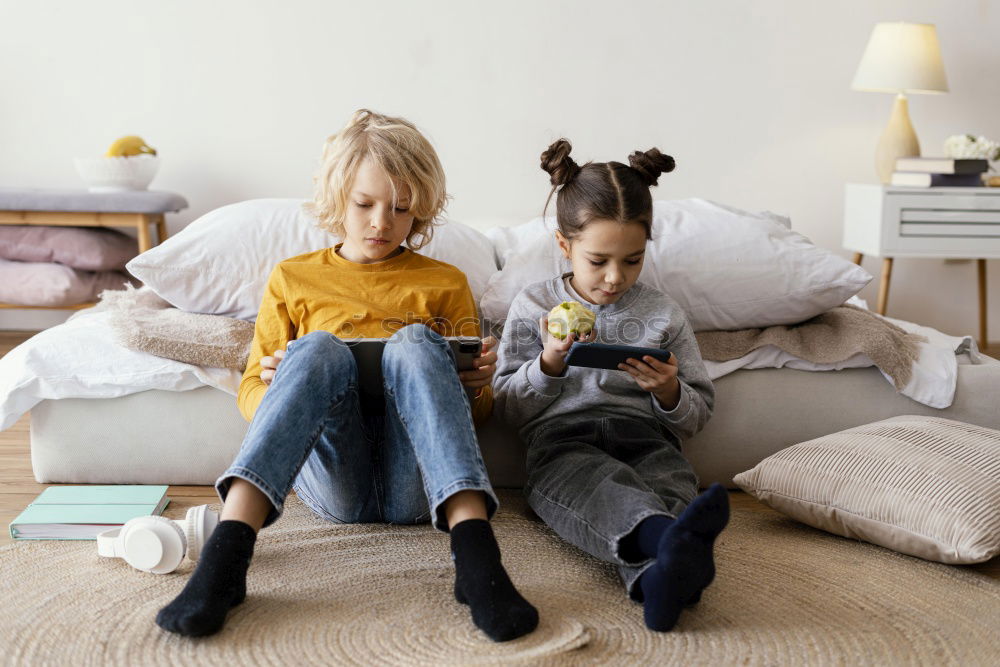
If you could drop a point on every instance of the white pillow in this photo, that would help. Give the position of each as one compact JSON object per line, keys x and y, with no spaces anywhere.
{"x":728,"y":269}
{"x":219,"y":264}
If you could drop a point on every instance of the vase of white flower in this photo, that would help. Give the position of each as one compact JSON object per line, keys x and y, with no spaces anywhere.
{"x":969,"y":146}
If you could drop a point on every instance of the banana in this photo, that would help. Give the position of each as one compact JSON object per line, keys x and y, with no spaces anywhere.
{"x":128,"y":146}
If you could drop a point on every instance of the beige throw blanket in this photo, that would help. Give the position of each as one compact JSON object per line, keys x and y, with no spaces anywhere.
{"x":145,"y":322}
{"x":834,"y":336}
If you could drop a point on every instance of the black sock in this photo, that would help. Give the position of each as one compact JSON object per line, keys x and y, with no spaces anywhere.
{"x":684,"y":565}
{"x":217,"y":584}
{"x":482,"y":583}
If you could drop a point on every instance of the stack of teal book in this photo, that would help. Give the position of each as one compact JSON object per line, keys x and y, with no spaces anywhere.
{"x":81,"y":512}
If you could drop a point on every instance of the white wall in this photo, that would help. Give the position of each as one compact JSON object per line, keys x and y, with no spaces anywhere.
{"x":753,"y":100}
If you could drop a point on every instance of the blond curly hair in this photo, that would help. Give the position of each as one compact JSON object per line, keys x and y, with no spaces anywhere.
{"x":395,"y":146}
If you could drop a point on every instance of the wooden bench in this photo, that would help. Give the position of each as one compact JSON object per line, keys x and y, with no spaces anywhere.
{"x":80,"y":208}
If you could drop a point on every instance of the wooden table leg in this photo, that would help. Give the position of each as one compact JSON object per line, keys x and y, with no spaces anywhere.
{"x":883,"y":286}
{"x":161,"y":229}
{"x":983,"y":338}
{"x":144,"y":241}
{"x":858,"y":257}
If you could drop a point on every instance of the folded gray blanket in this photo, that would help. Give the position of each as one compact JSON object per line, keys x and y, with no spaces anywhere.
{"x":834,"y":336}
{"x":145,"y":322}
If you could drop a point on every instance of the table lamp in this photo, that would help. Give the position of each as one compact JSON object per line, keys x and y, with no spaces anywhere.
{"x":900,"y":58}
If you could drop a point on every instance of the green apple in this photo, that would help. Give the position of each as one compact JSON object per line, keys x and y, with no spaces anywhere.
{"x":570,"y":317}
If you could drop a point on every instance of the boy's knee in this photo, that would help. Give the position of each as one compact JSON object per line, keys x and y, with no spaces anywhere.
{"x":318,"y":341}
{"x":323,"y":346}
{"x":410,"y":336}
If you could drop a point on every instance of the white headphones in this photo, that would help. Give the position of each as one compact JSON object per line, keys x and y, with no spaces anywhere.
{"x":157,"y":544}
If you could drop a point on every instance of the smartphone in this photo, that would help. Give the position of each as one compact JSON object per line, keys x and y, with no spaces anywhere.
{"x":368,"y":357}
{"x":601,"y":355}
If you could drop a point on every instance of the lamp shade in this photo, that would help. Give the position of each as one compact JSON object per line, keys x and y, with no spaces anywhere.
{"x":902,"y":58}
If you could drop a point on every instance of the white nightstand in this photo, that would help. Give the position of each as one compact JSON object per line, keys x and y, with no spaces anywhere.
{"x":892,"y":221}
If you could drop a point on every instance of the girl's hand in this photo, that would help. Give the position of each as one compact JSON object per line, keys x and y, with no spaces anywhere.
{"x":485,"y":365}
{"x":657,"y":377}
{"x":553,"y":361}
{"x":270,"y":366}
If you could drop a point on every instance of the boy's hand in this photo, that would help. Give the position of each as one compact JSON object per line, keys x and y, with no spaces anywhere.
{"x":270,"y":366}
{"x":485,"y":365}
{"x":657,"y":377}
{"x":553,"y":361}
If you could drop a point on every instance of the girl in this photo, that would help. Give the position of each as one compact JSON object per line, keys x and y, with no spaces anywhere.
{"x":415,"y":457}
{"x":605,"y":469}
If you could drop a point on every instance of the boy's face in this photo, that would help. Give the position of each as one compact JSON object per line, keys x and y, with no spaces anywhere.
{"x":606,"y":257}
{"x":375,"y":226}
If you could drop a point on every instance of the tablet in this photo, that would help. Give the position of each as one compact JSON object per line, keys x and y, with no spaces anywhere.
{"x":601,"y":355}
{"x":368,"y":357}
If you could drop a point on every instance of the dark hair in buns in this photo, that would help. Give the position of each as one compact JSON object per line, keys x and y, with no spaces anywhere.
{"x":602,"y":190}
{"x":559,"y":165}
{"x":651,"y":164}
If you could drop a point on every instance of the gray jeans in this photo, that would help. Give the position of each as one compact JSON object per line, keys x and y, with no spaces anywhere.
{"x":594,"y":480}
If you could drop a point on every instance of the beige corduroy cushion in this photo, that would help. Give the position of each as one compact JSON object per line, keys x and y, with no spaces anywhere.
{"x":923,"y":486}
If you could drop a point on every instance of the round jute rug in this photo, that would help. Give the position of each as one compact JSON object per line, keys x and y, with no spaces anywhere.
{"x":320,"y":593}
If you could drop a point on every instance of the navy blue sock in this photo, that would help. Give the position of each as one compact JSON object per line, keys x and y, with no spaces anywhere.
{"x":482,"y":583}
{"x":684,"y":565}
{"x":217,"y":584}
{"x":648,"y":533}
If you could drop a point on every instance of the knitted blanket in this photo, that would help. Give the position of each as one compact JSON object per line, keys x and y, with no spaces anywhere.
{"x":834,"y":336}
{"x":143,"y":321}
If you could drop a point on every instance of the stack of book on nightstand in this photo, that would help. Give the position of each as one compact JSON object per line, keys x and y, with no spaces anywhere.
{"x":936,"y":172}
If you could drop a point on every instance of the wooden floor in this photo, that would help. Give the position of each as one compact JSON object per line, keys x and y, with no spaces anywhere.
{"x":18,"y":486}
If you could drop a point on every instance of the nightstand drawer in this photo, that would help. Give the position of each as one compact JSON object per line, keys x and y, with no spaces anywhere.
{"x":948,"y":216}
{"x":925,"y":229}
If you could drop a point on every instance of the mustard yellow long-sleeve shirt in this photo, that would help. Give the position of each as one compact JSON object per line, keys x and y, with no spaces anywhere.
{"x":322,"y":291}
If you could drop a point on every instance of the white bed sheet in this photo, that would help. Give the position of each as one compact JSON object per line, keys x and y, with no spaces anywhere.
{"x":82,"y":359}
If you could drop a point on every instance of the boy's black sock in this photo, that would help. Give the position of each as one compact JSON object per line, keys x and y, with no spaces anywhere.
{"x":217,"y":584}
{"x":482,"y":583}
{"x":684,"y":565}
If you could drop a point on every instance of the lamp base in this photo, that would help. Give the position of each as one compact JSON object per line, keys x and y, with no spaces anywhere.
{"x":898,"y":140}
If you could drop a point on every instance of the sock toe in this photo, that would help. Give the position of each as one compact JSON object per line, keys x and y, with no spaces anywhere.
{"x":707,"y":514}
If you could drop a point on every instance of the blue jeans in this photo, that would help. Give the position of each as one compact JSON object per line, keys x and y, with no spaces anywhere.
{"x":399,"y":467}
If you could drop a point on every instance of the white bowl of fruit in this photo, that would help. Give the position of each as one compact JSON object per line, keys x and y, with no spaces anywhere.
{"x":129,"y":164}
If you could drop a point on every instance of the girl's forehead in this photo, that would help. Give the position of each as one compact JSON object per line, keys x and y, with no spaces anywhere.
{"x":611,"y":236}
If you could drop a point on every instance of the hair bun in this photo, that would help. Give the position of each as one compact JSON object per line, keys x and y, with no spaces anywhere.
{"x":651,"y":164}
{"x":559,"y":165}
